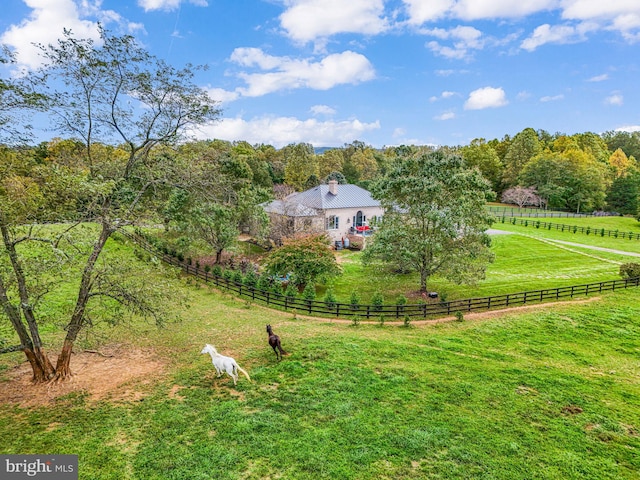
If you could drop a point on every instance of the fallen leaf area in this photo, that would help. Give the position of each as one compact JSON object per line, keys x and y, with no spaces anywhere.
{"x":115,"y":374}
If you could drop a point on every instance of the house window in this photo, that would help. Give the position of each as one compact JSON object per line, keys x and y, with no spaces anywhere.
{"x":333,"y":222}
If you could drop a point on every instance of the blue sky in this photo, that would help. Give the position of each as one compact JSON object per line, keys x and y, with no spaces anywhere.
{"x":328,"y":72}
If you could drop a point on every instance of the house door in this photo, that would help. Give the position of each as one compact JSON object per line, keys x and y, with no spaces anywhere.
{"x":359,"y":219}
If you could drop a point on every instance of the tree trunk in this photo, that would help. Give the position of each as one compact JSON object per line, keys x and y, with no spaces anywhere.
{"x":29,"y":339}
{"x":423,"y":282}
{"x":218,"y":256}
{"x":63,"y":369}
{"x":41,"y":366}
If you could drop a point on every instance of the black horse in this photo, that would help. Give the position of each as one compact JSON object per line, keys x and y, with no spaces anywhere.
{"x":274,"y":341}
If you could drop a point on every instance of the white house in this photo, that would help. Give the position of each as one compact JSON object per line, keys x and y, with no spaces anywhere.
{"x":340,"y":210}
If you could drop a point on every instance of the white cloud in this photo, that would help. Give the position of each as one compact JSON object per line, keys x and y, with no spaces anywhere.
{"x":489,"y":9}
{"x":221,"y":95}
{"x":553,"y":98}
{"x":464,"y":39}
{"x":599,"y":78}
{"x":322,"y":110}
{"x":48,"y":19}
{"x":614,"y":99}
{"x":167,"y":5}
{"x":336,"y":69}
{"x":445,"y":116}
{"x":45,"y":25}
{"x":556,"y":34}
{"x":523,"y":95}
{"x":281,"y":131}
{"x":316,"y":20}
{"x":309,"y":20}
{"x":444,"y":95}
{"x":629,"y":128}
{"x":487,"y":97}
{"x":421,"y":11}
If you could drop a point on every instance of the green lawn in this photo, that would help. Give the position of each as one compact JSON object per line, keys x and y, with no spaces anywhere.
{"x":523,"y":261}
{"x":546,"y":394}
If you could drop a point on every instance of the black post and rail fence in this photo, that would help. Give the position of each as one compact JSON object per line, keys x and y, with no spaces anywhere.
{"x":561,"y":227}
{"x":433,"y":309}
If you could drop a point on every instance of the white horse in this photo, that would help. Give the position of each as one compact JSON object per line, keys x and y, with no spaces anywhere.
{"x":224,"y":364}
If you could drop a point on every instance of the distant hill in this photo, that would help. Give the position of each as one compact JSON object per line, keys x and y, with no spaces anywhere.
{"x":321,"y":150}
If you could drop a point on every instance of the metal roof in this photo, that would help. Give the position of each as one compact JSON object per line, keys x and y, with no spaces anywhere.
{"x":347,"y":196}
{"x":289,"y":208}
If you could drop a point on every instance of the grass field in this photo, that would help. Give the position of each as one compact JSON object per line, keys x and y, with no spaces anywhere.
{"x":525,"y":260}
{"x":544,"y":393}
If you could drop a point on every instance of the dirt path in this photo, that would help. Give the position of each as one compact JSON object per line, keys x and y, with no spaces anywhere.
{"x":116,"y":373}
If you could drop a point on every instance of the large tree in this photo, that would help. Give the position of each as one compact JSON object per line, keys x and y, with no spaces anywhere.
{"x":111,"y":91}
{"x":571,"y":180}
{"x":308,"y":258}
{"x":435,"y":218}
{"x":482,"y":155}
{"x":524,"y":146}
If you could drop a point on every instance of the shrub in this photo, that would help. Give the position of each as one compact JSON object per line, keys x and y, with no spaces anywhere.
{"x":251,"y":279}
{"x":377,"y":301}
{"x":630,"y":270}
{"x":263,"y":283}
{"x":309,"y":293}
{"x":238,"y":277}
{"x":355,"y":300}
{"x":291,"y":291}
{"x":330,"y":299}
{"x":401,"y":302}
{"x":355,"y":320}
{"x":407,"y":321}
{"x":459,"y":316}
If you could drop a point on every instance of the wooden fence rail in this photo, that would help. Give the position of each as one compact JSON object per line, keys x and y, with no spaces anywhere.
{"x":598,"y":232}
{"x":424,"y":310}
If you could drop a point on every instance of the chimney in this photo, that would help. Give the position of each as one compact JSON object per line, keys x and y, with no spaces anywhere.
{"x":333,"y":187}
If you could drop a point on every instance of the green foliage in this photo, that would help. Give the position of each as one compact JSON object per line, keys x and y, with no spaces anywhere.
{"x":309,"y":258}
{"x":459,"y":316}
{"x":251,"y":278}
{"x":291,"y":291}
{"x":309,"y":292}
{"x":238,"y":277}
{"x":377,"y":300}
{"x":330,"y":298}
{"x":263,"y":283}
{"x":354,"y":300}
{"x":630,"y":270}
{"x":435,"y":219}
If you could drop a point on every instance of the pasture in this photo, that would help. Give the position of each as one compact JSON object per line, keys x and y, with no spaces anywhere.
{"x":544,"y":392}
